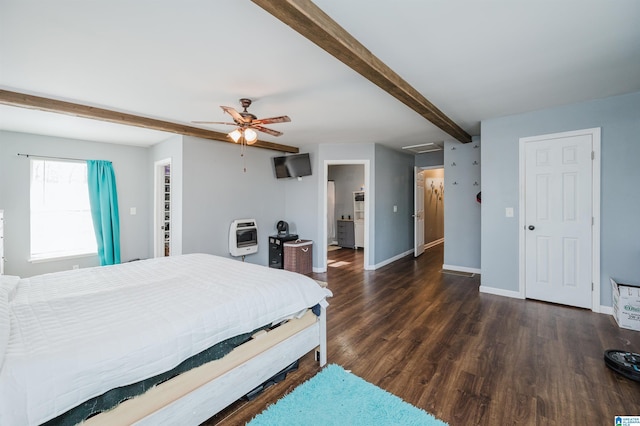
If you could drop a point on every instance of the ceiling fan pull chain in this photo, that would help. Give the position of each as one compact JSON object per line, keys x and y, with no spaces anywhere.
{"x":243,"y":148}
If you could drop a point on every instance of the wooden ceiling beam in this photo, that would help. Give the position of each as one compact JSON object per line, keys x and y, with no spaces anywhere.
{"x":78,"y":110}
{"x":310,"y":21}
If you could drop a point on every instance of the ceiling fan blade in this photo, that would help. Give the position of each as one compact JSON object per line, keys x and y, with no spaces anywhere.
{"x":267,"y":130}
{"x":272,"y":120}
{"x":214,"y":122}
{"x":235,"y":114}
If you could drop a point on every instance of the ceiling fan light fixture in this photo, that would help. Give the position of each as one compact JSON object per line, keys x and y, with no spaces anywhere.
{"x":250,"y":136}
{"x":235,"y":135}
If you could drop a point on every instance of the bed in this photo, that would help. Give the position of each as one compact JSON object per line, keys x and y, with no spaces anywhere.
{"x":70,"y":336}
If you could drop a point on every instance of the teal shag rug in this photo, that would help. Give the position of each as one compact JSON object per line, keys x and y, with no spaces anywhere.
{"x":337,"y":397}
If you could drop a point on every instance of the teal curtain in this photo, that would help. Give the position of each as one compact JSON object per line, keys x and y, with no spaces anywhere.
{"x":104,"y":210}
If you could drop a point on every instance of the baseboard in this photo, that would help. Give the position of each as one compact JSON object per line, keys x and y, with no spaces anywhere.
{"x":433,"y":243}
{"x":461,"y":269}
{"x":318,"y":270}
{"x":608,"y":310}
{"x":501,"y":292}
{"x":390,"y":260}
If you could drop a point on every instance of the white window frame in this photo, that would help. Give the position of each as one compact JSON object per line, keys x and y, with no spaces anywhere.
{"x":51,"y":255}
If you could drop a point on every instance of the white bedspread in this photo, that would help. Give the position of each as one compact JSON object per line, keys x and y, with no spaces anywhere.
{"x":76,"y":334}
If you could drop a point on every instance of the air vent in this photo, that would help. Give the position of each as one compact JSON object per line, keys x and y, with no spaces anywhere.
{"x":423,"y":147}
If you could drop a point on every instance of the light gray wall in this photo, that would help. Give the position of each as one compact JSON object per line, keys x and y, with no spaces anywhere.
{"x":216,"y":191}
{"x":393,"y":187}
{"x":209,"y":190}
{"x":429,"y":159}
{"x":301,"y":201}
{"x":132,"y":184}
{"x":462,"y":211}
{"x":348,"y":178}
{"x":619,"y":119}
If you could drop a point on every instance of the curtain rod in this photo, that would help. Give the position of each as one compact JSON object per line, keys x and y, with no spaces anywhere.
{"x":54,"y":158}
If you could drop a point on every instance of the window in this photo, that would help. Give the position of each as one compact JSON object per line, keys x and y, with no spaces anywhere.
{"x":61,"y":222}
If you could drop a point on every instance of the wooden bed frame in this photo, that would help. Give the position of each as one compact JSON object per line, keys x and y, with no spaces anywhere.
{"x":197,"y":395}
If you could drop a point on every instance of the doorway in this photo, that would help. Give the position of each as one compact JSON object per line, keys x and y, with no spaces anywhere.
{"x":162,"y":209}
{"x":428,"y":208}
{"x":559,"y":218}
{"x":352,"y":203}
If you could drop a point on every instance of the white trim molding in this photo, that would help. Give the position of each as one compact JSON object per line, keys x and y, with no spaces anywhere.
{"x":368,"y":206}
{"x":390,"y":260}
{"x":461,"y":269}
{"x":501,"y":292}
{"x":607,"y":310}
{"x":433,"y":243}
{"x":595,"y":209}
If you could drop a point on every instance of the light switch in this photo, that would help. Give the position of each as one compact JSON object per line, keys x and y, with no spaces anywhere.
{"x":132,"y":211}
{"x":395,"y":209}
{"x":508,"y":212}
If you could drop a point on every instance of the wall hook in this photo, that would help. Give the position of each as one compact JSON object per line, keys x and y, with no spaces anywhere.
{"x":455,"y":183}
{"x":453,"y":164}
{"x":476,"y":146}
{"x":475,"y":163}
{"x":453,"y":148}
{"x":475,"y":183}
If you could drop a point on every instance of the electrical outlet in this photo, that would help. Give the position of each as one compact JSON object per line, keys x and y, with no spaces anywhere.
{"x":508,"y":212}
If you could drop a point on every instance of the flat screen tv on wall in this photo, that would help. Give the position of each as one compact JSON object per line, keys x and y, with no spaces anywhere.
{"x":289,"y":166}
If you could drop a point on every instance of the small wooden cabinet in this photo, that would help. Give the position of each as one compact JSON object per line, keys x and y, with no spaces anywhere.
{"x":346,"y":235}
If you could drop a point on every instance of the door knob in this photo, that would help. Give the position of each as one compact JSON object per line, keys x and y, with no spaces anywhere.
{"x":531,"y":227}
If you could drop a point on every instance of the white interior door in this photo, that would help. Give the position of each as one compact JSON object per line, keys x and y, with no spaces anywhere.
{"x":418,"y":212}
{"x":558,"y":219}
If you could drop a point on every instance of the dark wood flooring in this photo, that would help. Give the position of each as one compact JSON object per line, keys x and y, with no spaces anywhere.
{"x":466,"y":357}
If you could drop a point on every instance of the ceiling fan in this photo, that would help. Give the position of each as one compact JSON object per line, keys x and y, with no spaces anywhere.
{"x":247,"y":123}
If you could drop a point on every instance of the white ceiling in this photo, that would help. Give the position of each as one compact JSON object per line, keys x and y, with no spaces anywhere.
{"x":179,"y":60}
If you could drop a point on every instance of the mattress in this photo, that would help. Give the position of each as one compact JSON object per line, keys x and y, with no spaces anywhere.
{"x":74,"y":335}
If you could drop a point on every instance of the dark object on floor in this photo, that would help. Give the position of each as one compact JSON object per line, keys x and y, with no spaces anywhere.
{"x":272,"y":381}
{"x":623,"y":362}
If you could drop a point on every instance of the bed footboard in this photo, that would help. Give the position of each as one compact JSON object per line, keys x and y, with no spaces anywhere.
{"x":197,"y":395}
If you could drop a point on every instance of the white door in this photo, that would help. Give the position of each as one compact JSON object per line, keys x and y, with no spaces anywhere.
{"x":418,"y":212}
{"x":558,"y":219}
